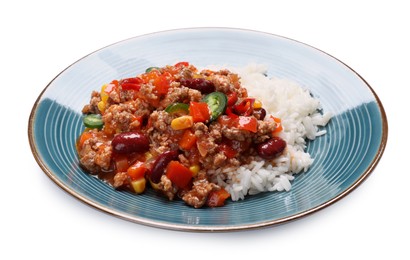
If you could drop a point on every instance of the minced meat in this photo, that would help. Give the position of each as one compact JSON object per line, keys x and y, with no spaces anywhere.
{"x":169,"y":127}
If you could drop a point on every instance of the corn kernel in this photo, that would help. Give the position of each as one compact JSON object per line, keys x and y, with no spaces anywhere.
{"x":194,"y":169}
{"x":155,"y":186}
{"x":148,"y":156}
{"x":257,"y":104}
{"x":101,"y":106}
{"x":139,"y":185}
{"x":182,"y":122}
{"x":104,"y":95}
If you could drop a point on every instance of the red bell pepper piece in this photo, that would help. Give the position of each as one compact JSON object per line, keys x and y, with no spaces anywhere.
{"x":227,"y":150}
{"x":199,"y":111}
{"x":121,"y":163}
{"x":182,"y":64}
{"x":245,"y":107}
{"x":249,"y":123}
{"x":178,"y":174}
{"x":217,"y":198}
{"x":110,"y":87}
{"x":131,"y":83}
{"x":232,"y":98}
{"x":188,"y":140}
{"x":162,"y":83}
{"x":230,"y":113}
{"x":137,"y":171}
{"x":279,"y":126}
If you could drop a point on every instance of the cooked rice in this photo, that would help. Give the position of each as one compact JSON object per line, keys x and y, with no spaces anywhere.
{"x":301,"y":120}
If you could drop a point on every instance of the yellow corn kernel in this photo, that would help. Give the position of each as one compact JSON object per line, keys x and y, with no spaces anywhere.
{"x":148,"y":156}
{"x":101,"y":106}
{"x":197,"y":76}
{"x":139,"y":185}
{"x":257,"y":104}
{"x":182,"y":122}
{"x":194,"y":169}
{"x":104,"y":95}
{"x":155,"y":186}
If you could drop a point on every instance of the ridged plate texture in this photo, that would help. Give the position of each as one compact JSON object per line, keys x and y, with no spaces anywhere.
{"x":344,"y":157}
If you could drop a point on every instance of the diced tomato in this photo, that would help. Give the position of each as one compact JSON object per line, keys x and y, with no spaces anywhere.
{"x":178,"y":174}
{"x":193,"y":156}
{"x":162,"y":83}
{"x":121,"y":163}
{"x":152,"y":75}
{"x":227,"y":150}
{"x":187,"y":140}
{"x":229,"y":113}
{"x":279,"y":126}
{"x":217,"y":198}
{"x":84,"y":137}
{"x":225,"y":120}
{"x":199,"y":111}
{"x":137,"y":171}
{"x":182,"y":64}
{"x":140,"y":119}
{"x":110,"y":87}
{"x":131,"y":83}
{"x":245,"y":107}
{"x":249,"y":123}
{"x":232,"y":98}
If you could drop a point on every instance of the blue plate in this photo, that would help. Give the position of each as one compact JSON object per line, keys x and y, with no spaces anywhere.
{"x":344,"y":157}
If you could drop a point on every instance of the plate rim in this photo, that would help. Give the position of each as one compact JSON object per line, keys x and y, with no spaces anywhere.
{"x":209,"y":228}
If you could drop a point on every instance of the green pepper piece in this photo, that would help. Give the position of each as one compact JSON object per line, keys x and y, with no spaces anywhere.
{"x":177,"y":108}
{"x":93,"y":121}
{"x":151,"y":68}
{"x":217,"y":102}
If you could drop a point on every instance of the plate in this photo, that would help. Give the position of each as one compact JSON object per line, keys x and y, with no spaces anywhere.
{"x":344,"y":157}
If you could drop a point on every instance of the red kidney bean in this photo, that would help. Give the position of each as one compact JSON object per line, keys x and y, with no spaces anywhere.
{"x":271,"y":148}
{"x":260,"y":114}
{"x":203,"y":85}
{"x":158,"y":168}
{"x":130,"y":142}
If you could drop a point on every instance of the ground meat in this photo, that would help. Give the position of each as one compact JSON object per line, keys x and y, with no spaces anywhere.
{"x":186,"y":73}
{"x":119,"y":117}
{"x":165,"y":185}
{"x":264,"y":132}
{"x":181,"y":95}
{"x":95,"y":153}
{"x":147,"y":91}
{"x":162,"y":136}
{"x":201,"y":188}
{"x":227,"y":82}
{"x":222,"y":84}
{"x":125,"y":117}
{"x":184,"y":160}
{"x":205,"y":142}
{"x":120,"y":179}
{"x":234,"y":133}
{"x":215,"y":131}
{"x":140,"y":106}
{"x":92,"y":107}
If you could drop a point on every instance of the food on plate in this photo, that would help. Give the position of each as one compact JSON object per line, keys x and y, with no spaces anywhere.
{"x":201,"y":136}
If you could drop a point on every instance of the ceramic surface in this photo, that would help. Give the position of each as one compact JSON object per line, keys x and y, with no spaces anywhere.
{"x":344,"y":157}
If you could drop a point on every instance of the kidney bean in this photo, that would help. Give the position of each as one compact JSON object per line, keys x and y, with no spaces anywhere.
{"x":158,"y":168}
{"x":203,"y":85}
{"x":260,"y":114}
{"x":130,"y":142}
{"x":271,"y":148}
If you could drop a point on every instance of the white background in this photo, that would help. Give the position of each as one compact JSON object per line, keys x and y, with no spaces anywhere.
{"x":40,"y":221}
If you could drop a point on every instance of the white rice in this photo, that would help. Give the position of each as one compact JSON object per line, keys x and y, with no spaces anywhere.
{"x":301,"y":120}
